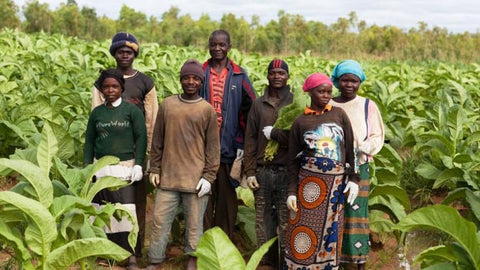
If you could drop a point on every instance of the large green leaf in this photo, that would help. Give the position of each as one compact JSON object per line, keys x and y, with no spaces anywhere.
{"x":245,"y":216}
{"x":378,"y":223}
{"x":41,"y":222}
{"x":65,"y":256}
{"x":246,"y":195}
{"x":474,"y":201}
{"x":14,"y":238}
{"x":35,"y":176}
{"x":445,"y":219}
{"x":91,"y":169}
{"x":103,"y":183}
{"x":427,"y":171}
{"x":397,"y":192}
{"x":215,"y":251}
{"x":65,"y":203}
{"x":448,"y":175}
{"x":434,"y":255}
{"x":47,"y":149}
{"x":258,"y":254}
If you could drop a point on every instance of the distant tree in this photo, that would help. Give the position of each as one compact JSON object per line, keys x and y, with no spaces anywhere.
{"x":38,"y":17}
{"x":90,"y":23}
{"x":8,"y":14}
{"x":131,"y":20}
{"x":67,"y":19}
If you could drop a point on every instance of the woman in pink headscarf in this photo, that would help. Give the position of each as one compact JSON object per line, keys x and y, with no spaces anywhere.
{"x":320,"y":171}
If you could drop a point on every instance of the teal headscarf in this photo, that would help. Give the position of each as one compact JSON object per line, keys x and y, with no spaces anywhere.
{"x":347,"y":66}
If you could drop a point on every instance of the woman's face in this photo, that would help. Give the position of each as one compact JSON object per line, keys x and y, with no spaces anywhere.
{"x":320,"y":96}
{"x":111,"y":89}
{"x":348,"y":84}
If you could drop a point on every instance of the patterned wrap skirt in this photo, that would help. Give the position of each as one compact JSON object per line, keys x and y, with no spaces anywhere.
{"x":119,"y":230}
{"x":356,"y":241}
{"x":314,"y":233}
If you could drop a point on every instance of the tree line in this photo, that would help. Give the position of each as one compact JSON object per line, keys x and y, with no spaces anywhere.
{"x":287,"y":35}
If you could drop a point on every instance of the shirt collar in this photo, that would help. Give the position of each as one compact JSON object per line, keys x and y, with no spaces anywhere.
{"x":309,"y":111}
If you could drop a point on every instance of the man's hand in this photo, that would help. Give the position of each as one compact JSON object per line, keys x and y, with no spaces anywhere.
{"x":203,"y":187}
{"x":239,"y":153}
{"x":252,"y":182}
{"x":292,"y":203}
{"x":267,"y":131}
{"x":155,"y":179}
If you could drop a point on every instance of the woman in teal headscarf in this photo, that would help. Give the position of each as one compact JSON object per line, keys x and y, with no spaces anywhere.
{"x":368,"y":130}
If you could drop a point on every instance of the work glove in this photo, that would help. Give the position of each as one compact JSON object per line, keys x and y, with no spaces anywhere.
{"x":292,"y":203}
{"x":239,"y":153}
{"x":252,"y":182}
{"x":155,"y":179}
{"x":203,"y":187}
{"x":267,"y":131}
{"x":137,"y":173}
{"x":352,"y":189}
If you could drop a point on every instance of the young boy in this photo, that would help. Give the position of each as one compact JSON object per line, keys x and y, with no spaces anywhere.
{"x":185,"y":157}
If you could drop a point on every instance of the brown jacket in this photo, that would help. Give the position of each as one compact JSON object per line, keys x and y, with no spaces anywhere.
{"x":264,"y":112}
{"x":186,"y":144}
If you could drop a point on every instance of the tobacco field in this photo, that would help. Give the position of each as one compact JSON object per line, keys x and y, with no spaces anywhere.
{"x":430,"y":110}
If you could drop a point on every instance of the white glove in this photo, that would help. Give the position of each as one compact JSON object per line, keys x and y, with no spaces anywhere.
{"x":203,"y":187}
{"x":365,"y":147}
{"x":352,"y":189}
{"x":267,"y":131}
{"x":252,"y":183}
{"x":239,"y":153}
{"x":292,"y":203}
{"x":155,"y":179}
{"x":137,"y":173}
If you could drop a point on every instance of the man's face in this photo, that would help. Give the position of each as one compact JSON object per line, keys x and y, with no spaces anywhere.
{"x":277,"y":78}
{"x":191,"y":84}
{"x":124,"y":57}
{"x":219,"y":46}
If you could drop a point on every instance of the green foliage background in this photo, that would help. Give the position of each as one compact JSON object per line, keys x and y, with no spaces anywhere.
{"x":348,"y":37}
{"x":430,"y":111}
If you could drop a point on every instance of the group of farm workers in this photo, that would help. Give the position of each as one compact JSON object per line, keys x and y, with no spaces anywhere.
{"x":313,"y":194}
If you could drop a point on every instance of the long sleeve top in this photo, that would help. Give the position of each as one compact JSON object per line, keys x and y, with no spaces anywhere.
{"x":264,"y":112}
{"x":367,"y":125}
{"x":186,"y":144}
{"x":116,"y":131}
{"x":140,"y":91}
{"x":327,"y":134}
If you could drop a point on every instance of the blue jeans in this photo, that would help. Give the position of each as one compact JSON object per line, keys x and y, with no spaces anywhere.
{"x":165,"y":209}
{"x":271,"y":210}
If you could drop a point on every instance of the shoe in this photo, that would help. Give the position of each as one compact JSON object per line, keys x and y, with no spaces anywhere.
{"x":192,"y":263}
{"x":154,"y":266}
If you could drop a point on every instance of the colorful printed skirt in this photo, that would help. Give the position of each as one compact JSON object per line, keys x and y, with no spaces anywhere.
{"x":356,"y":241}
{"x":314,"y":232}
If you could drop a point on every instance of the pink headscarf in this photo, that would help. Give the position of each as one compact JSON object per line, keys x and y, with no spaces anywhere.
{"x":315,"y":80}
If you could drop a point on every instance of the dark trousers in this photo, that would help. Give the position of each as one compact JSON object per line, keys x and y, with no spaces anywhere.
{"x":222,"y":205}
{"x":271,"y":211}
{"x":141,"y":206}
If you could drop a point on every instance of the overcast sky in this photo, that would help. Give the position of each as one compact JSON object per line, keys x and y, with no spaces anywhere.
{"x":457,"y":16}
